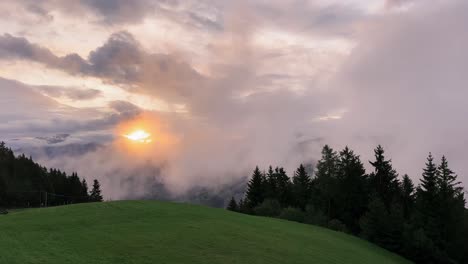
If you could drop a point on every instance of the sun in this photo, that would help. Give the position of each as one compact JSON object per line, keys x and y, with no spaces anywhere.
{"x":140,"y":136}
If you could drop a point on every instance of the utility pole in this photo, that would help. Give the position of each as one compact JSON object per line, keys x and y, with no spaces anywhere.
{"x":46,"y":199}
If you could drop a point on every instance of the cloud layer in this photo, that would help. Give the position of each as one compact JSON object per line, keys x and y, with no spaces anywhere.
{"x":245,"y":84}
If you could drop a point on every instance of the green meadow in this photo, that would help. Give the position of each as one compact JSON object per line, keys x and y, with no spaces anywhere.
{"x":162,"y":232}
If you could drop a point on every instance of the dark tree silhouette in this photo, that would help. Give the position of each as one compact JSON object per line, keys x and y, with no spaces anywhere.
{"x":352,"y":195}
{"x":95,"y":195}
{"x":232,"y":206}
{"x":429,"y":225}
{"x":407,"y":195}
{"x":301,"y":184}
{"x":24,"y":183}
{"x":326,"y":181}
{"x":255,"y":189}
{"x":383,"y":179}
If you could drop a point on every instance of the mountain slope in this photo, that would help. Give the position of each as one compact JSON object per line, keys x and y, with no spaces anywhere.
{"x":158,"y":232}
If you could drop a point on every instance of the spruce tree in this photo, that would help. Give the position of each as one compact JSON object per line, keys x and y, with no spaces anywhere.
{"x":351,"y":192}
{"x":255,"y":189}
{"x":407,"y":196}
{"x":384,"y":180}
{"x":271,"y":191}
{"x":84,"y":191}
{"x":95,"y":194}
{"x":284,"y":187}
{"x":381,"y":226}
{"x":301,"y":187}
{"x":452,"y":206}
{"x":232,"y":206}
{"x":428,"y":200}
{"x":326,"y":180}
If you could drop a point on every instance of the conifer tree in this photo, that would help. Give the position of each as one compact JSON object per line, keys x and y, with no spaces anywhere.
{"x":407,"y":194}
{"x":326,"y":180}
{"x":381,"y":226}
{"x":255,"y":189}
{"x":271,"y":191}
{"x":384,"y":180}
{"x":95,"y":195}
{"x":351,"y":193}
{"x":242,"y":206}
{"x":232,"y":206}
{"x":284,"y":187}
{"x":301,"y":187}
{"x":84,"y":191}
{"x":427,"y":200}
{"x":452,"y":205}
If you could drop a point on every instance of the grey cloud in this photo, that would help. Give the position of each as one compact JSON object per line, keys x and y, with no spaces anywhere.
{"x":121,"y":11}
{"x":28,"y":114}
{"x":125,"y":107}
{"x":12,"y":47}
{"x":397,"y":3}
{"x":192,"y":14}
{"x":72,"y":93}
{"x":405,"y":85}
{"x":55,"y":139}
{"x":120,"y":60}
{"x":17,"y":47}
{"x":309,"y":17}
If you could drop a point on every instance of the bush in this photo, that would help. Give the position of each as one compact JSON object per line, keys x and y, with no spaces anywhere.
{"x":337,"y":225}
{"x":292,"y":214}
{"x":269,"y":207}
{"x":314,"y":216}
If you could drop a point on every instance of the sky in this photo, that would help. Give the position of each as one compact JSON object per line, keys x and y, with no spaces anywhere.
{"x":223,"y":86}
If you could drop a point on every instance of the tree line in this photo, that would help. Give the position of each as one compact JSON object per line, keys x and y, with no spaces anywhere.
{"x":427,"y":223}
{"x":24,"y":183}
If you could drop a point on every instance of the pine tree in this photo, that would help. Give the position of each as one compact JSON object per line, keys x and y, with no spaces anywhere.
{"x":407,"y":194}
{"x":427,"y":200}
{"x":95,"y":195}
{"x":284,"y":187}
{"x":232,"y":206}
{"x":255,"y":189}
{"x":301,"y":187}
{"x":84,"y":191}
{"x":373,"y":222}
{"x":384,"y":180}
{"x":447,"y":181}
{"x":452,"y":206}
{"x":326,"y":180}
{"x":271,"y":191}
{"x":242,"y":206}
{"x":351,"y":192}
{"x":381,"y":226}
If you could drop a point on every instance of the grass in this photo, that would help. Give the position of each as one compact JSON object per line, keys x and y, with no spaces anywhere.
{"x":160,"y":232}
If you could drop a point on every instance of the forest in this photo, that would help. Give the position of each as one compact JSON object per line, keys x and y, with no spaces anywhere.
{"x":24,"y":183}
{"x":426,"y":223}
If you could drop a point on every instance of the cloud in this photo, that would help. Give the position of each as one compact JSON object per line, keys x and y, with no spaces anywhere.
{"x":405,"y":87}
{"x":12,"y":47}
{"x":309,"y":17}
{"x":28,"y":117}
{"x":75,"y":94}
{"x":233,"y":121}
{"x":121,"y":60}
{"x":121,"y":11}
{"x":55,"y":139}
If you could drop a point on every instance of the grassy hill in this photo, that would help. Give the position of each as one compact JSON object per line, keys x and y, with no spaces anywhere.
{"x":159,"y":232}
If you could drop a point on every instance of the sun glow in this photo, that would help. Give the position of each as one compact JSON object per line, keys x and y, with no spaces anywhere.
{"x":140,"y":136}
